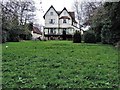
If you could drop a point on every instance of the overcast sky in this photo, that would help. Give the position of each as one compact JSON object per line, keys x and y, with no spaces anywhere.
{"x":44,"y":6}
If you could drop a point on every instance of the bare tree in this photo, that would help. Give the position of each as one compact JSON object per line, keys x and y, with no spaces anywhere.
{"x":24,"y":10}
{"x":27,"y":8}
{"x":84,"y":10}
{"x":78,"y":9}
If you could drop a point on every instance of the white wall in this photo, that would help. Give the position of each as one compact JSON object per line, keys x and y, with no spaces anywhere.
{"x":35,"y":35}
{"x":69,"y":21}
{"x":48,"y":17}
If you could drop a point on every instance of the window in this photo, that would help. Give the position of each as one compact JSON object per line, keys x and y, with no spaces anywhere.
{"x":64,"y":21}
{"x":51,"y":13}
{"x":64,"y":12}
{"x":67,"y":31}
{"x":51,"y":30}
{"x":54,"y":31}
{"x":64,"y":31}
{"x":52,"y":21}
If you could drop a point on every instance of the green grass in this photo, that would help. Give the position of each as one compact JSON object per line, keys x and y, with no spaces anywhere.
{"x":61,"y":64}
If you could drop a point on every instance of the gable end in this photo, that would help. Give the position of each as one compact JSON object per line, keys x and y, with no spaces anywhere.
{"x":48,"y":10}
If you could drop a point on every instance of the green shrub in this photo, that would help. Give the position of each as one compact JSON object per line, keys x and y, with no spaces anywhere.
{"x":64,"y":35}
{"x":77,"y":37}
{"x":98,"y":37}
{"x":26,"y":36}
{"x":89,"y":37}
{"x":13,"y":36}
{"x":106,"y":34}
{"x":118,"y":45}
{"x":29,"y":36}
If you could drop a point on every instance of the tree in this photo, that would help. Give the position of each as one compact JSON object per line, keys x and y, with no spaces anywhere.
{"x":104,"y":19}
{"x":78,"y":9}
{"x":84,"y":10}
{"x":113,"y":16}
{"x":85,"y":15}
{"x":10,"y":21}
{"x":96,"y":21}
{"x":15,"y":16}
{"x":105,"y":22}
{"x":27,"y":8}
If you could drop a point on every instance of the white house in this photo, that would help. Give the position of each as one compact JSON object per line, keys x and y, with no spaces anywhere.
{"x":57,"y":22}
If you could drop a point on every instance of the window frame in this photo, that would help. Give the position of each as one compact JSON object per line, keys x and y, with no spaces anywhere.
{"x":52,"y":21}
{"x":64,"y":21}
{"x":51,"y":13}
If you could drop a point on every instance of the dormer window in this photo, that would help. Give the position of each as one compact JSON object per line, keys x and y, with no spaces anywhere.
{"x":64,"y":21}
{"x":51,"y":13}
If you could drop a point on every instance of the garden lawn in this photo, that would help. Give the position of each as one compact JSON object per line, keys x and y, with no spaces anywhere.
{"x":61,"y":64}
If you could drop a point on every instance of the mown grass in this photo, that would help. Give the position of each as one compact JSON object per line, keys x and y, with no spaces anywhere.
{"x":61,"y":64}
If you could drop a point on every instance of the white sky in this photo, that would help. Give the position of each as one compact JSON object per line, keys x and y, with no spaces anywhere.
{"x":58,"y":5}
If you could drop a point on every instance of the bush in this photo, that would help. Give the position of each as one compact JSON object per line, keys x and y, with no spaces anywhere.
{"x":64,"y":35}
{"x":106,"y":35}
{"x":98,"y":37}
{"x":77,"y":37}
{"x":29,"y":36}
{"x":117,"y":45}
{"x":13,"y":36}
{"x":89,"y":37}
{"x":26,"y":36}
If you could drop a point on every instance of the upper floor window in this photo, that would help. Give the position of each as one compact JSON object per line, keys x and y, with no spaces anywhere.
{"x":52,"y":21}
{"x":51,"y":13}
{"x":64,"y":21}
{"x":64,"y":12}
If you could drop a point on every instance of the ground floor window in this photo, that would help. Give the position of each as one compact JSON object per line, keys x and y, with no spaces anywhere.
{"x":51,"y":31}
{"x":59,"y":31}
{"x":64,"y":31}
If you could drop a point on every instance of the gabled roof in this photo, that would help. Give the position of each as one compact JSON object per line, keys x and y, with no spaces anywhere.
{"x":63,"y":10}
{"x":49,"y":9}
{"x":72,"y":14}
{"x":58,"y":12}
{"x":36,"y":30}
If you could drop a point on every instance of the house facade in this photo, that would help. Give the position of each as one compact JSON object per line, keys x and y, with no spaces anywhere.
{"x":59,"y":22}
